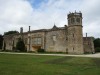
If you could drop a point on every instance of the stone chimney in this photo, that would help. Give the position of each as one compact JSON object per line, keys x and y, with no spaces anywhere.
{"x":21,"y":30}
{"x":86,"y":35}
{"x":29,"y":28}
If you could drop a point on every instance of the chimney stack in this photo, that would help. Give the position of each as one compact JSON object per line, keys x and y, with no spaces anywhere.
{"x":29,"y":28}
{"x":86,"y":35}
{"x":21,"y":30}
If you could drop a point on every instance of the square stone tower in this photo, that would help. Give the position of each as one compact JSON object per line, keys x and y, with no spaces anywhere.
{"x":75,"y":33}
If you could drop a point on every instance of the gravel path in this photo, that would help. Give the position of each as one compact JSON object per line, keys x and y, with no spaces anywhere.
{"x":97,"y":55}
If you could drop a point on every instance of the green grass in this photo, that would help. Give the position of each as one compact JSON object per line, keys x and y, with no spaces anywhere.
{"x":12,"y":64}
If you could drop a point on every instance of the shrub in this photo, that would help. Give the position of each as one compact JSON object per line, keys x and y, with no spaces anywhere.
{"x":1,"y":41}
{"x":41,"y":50}
{"x":97,"y":49}
{"x":20,"y":45}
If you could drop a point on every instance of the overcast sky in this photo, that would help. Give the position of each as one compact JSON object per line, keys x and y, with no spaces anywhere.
{"x":42,"y":14}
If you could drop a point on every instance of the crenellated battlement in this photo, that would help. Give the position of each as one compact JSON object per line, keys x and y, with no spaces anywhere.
{"x":72,"y":14}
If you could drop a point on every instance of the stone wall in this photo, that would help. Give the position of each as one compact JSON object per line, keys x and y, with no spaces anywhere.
{"x":75,"y":40}
{"x":56,"y":41}
{"x":8,"y":42}
{"x":88,"y":45}
{"x":34,"y":46}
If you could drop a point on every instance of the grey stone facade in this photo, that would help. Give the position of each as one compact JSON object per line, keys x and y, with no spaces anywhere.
{"x":68,"y":39}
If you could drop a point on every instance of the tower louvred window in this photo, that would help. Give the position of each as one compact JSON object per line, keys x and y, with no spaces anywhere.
{"x":78,"y":20}
{"x":72,"y":20}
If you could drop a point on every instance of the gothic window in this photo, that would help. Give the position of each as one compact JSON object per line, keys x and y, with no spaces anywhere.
{"x":54,"y":38}
{"x":37,"y":41}
{"x":72,"y":20}
{"x":34,"y":41}
{"x":78,"y":20}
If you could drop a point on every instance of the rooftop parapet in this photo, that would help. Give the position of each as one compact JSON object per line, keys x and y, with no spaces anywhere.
{"x":71,"y":14}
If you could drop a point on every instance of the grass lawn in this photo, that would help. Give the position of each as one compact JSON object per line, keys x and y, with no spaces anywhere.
{"x":13,"y":64}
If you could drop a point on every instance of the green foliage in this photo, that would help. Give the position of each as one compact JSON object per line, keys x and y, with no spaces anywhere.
{"x":20,"y":45}
{"x":97,"y":44}
{"x":1,"y":41}
{"x":10,"y":32}
{"x":41,"y":50}
{"x":97,"y":49}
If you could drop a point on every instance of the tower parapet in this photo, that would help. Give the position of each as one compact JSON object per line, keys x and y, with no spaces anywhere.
{"x":75,"y":18}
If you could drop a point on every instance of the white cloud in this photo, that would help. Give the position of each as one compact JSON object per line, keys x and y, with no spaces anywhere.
{"x":20,"y":13}
{"x":14,"y":14}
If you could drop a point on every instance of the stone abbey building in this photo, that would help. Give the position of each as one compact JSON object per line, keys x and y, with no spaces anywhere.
{"x":68,"y":39}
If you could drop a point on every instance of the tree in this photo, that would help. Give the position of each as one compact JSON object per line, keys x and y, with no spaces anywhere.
{"x":20,"y":45}
{"x":10,"y":32}
{"x":1,"y":41}
{"x":97,"y":44}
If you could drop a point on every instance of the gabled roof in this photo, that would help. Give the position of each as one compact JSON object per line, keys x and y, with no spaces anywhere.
{"x":55,"y":27}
